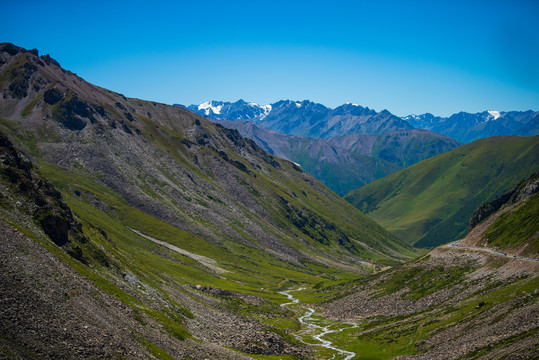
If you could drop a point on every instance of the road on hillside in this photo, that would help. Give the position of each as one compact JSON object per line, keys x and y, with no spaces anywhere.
{"x":455,"y":244}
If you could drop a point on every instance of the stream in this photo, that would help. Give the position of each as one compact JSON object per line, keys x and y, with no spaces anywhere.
{"x":316,"y":331}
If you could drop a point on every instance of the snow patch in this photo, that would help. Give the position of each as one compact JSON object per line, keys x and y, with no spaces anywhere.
{"x":217,"y":109}
{"x":413,"y":116}
{"x":207,"y":107}
{"x":495,"y":114}
{"x":204,"y":105}
{"x":266,"y":109}
{"x":298,"y":104}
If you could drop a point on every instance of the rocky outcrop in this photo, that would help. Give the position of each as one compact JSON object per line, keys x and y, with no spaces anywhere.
{"x":22,"y":184}
{"x":487,"y":209}
{"x":520,"y":193}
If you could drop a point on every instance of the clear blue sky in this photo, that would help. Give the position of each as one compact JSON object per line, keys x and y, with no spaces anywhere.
{"x":404,"y":56}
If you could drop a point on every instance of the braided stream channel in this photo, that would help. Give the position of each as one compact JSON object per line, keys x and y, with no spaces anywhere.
{"x":317,"y":329}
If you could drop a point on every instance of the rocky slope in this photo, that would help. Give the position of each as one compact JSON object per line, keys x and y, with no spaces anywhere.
{"x":454,"y":303}
{"x":64,"y":295}
{"x":176,"y":167}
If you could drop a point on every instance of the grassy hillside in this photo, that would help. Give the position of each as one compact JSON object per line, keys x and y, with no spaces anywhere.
{"x":78,"y":267}
{"x":408,"y":147}
{"x":430,"y":202}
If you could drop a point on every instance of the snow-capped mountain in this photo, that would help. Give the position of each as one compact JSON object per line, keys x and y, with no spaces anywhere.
{"x":306,"y":118}
{"x":466,"y":127}
{"x":239,"y":110}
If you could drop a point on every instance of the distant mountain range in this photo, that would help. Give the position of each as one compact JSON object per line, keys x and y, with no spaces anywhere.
{"x":306,"y":118}
{"x":345,"y":148}
{"x":466,"y":127}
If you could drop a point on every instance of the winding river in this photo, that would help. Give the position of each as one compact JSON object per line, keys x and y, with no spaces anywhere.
{"x":317,"y":332}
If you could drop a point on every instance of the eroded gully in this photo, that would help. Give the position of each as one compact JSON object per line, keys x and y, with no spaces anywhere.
{"x":316,"y":331}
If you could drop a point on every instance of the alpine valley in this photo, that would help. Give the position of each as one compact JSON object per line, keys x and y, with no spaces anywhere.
{"x":132,"y":229}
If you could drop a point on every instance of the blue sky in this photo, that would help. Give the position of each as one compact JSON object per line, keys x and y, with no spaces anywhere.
{"x":404,"y":56}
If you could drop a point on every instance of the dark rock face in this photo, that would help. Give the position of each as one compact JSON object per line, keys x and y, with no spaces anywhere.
{"x":129,"y":117}
{"x":52,"y":96}
{"x":522,"y":191}
{"x":55,"y":226}
{"x":120,"y":106}
{"x":73,"y":112}
{"x":9,"y":48}
{"x":48,"y":209}
{"x":487,"y":209}
{"x":18,"y":88}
